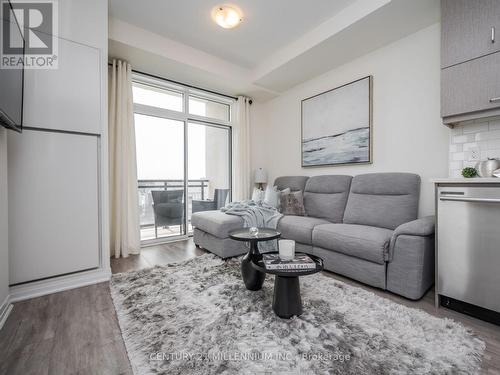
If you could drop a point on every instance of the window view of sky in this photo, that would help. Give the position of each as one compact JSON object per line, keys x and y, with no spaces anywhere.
{"x":159,"y":121}
{"x":160,"y":142}
{"x":157,"y":98}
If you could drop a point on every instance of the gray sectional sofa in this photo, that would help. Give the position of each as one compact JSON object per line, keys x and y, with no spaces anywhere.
{"x":364,"y":227}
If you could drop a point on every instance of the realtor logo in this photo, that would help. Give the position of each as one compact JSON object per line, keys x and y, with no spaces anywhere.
{"x":29,"y":30}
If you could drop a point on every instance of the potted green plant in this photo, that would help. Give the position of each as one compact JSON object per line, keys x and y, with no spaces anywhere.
{"x":469,"y":172}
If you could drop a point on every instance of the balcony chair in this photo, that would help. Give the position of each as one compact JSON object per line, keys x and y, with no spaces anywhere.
{"x":219,"y":201}
{"x":168,"y":207}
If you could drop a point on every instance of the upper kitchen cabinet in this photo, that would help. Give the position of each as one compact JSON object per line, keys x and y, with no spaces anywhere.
{"x":471,"y":90}
{"x":470,"y":60}
{"x":470,"y":29}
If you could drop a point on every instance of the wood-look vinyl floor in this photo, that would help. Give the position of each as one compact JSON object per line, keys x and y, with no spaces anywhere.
{"x":77,"y":332}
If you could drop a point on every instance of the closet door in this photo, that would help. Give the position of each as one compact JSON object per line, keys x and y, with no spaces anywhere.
{"x":66,"y":98}
{"x":53,"y":204}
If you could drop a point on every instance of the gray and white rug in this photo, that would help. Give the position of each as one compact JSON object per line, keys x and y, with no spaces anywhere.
{"x":196,"y":317}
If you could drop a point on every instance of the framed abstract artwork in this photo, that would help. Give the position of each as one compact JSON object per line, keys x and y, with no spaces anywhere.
{"x":337,"y":125}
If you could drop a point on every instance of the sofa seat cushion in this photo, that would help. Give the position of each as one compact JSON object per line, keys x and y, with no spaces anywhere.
{"x":298,"y":228}
{"x":361,"y":241}
{"x":217,"y":223}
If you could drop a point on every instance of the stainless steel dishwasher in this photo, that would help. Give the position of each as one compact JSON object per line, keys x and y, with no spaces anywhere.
{"x":468,"y":255}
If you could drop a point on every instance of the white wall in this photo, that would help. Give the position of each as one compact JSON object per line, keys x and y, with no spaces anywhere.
{"x":4,"y":244}
{"x":408,"y":135}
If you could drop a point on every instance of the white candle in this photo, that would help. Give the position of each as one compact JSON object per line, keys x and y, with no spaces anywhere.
{"x":287,"y":249}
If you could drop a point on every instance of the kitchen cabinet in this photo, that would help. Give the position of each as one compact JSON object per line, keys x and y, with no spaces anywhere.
{"x":470,"y":60}
{"x":470,"y":29}
{"x":472,"y":86}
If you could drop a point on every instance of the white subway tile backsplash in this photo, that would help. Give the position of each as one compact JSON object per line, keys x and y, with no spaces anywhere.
{"x":471,"y":164}
{"x":475,"y":128}
{"x":458,"y":156}
{"x":494,"y":154}
{"x":469,"y":146}
{"x":463,"y":138}
{"x":494,"y":125}
{"x":456,"y":148}
{"x":493,"y":144}
{"x":470,"y":156}
{"x":484,"y":136}
{"x":483,"y":145}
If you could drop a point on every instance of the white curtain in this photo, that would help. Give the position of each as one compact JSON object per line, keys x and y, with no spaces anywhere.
{"x":241,"y":150}
{"x":124,"y":216}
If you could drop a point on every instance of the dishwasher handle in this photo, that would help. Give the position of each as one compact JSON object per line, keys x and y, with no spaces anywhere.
{"x":474,"y":200}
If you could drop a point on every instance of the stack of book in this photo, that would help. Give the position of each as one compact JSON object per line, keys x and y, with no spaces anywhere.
{"x":300,"y":262}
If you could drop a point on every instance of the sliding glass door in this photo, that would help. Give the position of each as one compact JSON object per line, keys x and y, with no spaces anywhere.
{"x":209,"y":153}
{"x":183,"y":144}
{"x":160,"y":171}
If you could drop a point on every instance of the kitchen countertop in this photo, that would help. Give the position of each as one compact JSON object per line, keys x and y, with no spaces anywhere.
{"x":461,"y":180}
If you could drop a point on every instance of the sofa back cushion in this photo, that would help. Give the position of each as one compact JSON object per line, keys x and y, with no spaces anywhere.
{"x":325,"y":197}
{"x":384,"y":200}
{"x":295,"y":183}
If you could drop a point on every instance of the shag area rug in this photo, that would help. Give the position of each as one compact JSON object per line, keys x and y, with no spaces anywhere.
{"x":197,"y":317}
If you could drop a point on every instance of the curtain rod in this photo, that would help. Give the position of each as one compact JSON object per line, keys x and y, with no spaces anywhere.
{"x":183,"y":84}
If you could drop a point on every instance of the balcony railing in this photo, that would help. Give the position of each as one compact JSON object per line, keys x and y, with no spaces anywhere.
{"x":197,"y":189}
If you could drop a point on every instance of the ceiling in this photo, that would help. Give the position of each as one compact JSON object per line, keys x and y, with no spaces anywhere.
{"x":280,"y":43}
{"x":267,"y":26}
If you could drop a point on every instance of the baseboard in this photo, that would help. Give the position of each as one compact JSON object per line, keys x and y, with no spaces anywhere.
{"x":5,"y":309}
{"x":471,"y":310}
{"x":58,"y":284}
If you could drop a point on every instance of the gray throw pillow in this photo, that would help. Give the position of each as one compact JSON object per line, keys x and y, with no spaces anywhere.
{"x":293,"y":203}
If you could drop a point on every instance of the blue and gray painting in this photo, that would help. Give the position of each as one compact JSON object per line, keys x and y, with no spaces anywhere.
{"x":349,"y":147}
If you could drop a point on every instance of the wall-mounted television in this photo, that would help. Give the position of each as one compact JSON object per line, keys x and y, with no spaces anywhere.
{"x":11,"y":79}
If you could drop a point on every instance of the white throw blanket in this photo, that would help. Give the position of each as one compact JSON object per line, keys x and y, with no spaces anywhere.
{"x":255,"y":214}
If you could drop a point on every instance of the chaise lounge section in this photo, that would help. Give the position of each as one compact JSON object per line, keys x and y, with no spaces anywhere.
{"x":364,"y":227}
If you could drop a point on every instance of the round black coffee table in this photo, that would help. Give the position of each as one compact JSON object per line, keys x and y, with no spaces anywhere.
{"x":252,"y":277}
{"x":286,"y":299}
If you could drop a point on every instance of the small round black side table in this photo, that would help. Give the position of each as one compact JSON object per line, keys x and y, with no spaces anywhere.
{"x":252,"y":277}
{"x":286,"y":300}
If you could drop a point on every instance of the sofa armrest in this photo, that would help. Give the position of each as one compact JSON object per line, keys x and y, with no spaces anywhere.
{"x":421,"y":227}
{"x":410,"y":267}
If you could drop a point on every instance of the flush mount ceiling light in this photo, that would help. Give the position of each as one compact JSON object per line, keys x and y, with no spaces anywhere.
{"x":227,"y":16}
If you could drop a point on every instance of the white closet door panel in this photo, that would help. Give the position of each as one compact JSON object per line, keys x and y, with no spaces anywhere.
{"x":66,"y":98}
{"x":53,"y":204}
